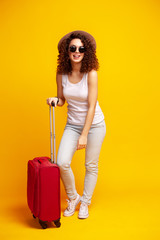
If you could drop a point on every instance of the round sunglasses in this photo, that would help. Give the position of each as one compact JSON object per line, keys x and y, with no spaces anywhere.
{"x":73,"y":49}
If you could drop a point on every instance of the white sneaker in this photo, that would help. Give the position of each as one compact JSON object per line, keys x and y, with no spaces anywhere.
{"x":70,"y":210}
{"x":83,"y":211}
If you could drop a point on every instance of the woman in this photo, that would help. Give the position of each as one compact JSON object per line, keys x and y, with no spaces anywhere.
{"x":77,"y":83}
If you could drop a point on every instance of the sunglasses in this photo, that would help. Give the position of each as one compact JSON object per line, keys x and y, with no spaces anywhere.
{"x":73,"y":49}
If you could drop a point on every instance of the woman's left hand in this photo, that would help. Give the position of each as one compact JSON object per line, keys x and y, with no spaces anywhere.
{"x":82,"y":142}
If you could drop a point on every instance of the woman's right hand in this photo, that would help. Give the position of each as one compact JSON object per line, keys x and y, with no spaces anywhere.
{"x":52,"y":99}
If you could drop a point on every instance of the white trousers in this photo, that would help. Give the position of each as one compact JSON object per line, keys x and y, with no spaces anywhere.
{"x":65,"y":154}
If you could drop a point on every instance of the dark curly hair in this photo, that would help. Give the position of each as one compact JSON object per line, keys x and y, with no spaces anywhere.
{"x":89,"y":60}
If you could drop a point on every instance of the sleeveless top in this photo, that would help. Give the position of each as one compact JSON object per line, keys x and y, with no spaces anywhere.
{"x":76,"y":95}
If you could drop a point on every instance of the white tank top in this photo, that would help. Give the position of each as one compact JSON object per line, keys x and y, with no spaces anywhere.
{"x":76,"y":95}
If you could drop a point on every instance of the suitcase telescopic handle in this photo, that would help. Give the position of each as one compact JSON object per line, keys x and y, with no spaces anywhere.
{"x":52,"y":134}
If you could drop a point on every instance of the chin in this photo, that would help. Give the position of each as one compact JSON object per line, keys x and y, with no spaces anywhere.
{"x":77,"y":60}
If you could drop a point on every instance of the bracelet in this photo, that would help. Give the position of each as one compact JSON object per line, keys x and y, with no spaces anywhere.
{"x":57,"y":100}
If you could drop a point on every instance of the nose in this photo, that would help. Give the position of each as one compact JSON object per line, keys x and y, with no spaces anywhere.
{"x":77,"y":49}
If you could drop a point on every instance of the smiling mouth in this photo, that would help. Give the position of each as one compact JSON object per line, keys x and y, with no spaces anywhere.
{"x":76,"y":56}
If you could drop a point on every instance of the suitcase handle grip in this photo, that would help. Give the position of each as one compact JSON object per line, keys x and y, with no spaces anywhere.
{"x":53,"y":104}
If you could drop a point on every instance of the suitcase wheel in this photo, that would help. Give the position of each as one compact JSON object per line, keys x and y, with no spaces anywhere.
{"x":57,"y":223}
{"x":43,"y":224}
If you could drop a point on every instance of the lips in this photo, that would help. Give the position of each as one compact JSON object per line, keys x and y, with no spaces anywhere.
{"x":76,"y":56}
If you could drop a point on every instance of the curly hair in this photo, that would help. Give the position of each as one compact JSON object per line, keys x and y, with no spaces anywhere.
{"x":89,"y":60}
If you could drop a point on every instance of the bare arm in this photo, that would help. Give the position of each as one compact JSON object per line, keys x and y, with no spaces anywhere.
{"x":60,"y":90}
{"x":59,"y":93}
{"x":92,"y":100}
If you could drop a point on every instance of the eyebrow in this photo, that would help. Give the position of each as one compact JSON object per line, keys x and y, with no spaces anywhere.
{"x":76,"y":45}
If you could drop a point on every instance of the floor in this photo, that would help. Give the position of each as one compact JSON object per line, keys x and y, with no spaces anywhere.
{"x":126,"y":214}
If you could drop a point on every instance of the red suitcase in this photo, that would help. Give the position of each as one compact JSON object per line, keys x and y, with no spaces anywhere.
{"x":43,"y":187}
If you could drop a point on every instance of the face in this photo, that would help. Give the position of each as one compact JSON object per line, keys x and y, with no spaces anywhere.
{"x":76,"y":56}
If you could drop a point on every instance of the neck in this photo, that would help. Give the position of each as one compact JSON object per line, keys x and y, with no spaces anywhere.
{"x":76,"y":67}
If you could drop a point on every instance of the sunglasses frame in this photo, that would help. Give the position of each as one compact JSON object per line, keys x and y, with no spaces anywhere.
{"x":75,"y":48}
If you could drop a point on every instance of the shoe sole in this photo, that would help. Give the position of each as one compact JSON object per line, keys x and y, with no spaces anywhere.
{"x":69,"y":214}
{"x":83,"y":217}
{"x":74,"y":210}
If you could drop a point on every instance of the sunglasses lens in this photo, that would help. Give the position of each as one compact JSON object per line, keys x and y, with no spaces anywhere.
{"x":72,"y":48}
{"x":82,"y":49}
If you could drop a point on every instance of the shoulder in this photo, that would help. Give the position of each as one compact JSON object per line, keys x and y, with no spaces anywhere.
{"x":92,"y":76}
{"x":92,"y":73}
{"x":61,"y":79}
{"x":58,"y":77}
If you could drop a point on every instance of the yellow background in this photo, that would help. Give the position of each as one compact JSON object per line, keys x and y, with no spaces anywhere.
{"x":126,"y":201}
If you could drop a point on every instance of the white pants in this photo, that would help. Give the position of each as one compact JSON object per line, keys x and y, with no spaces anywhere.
{"x":66,"y":151}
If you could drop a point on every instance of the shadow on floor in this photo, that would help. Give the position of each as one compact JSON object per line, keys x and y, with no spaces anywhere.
{"x":21,"y":214}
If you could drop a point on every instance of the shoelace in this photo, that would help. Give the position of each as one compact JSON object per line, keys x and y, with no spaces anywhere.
{"x":83,"y":207}
{"x":70,"y":204}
